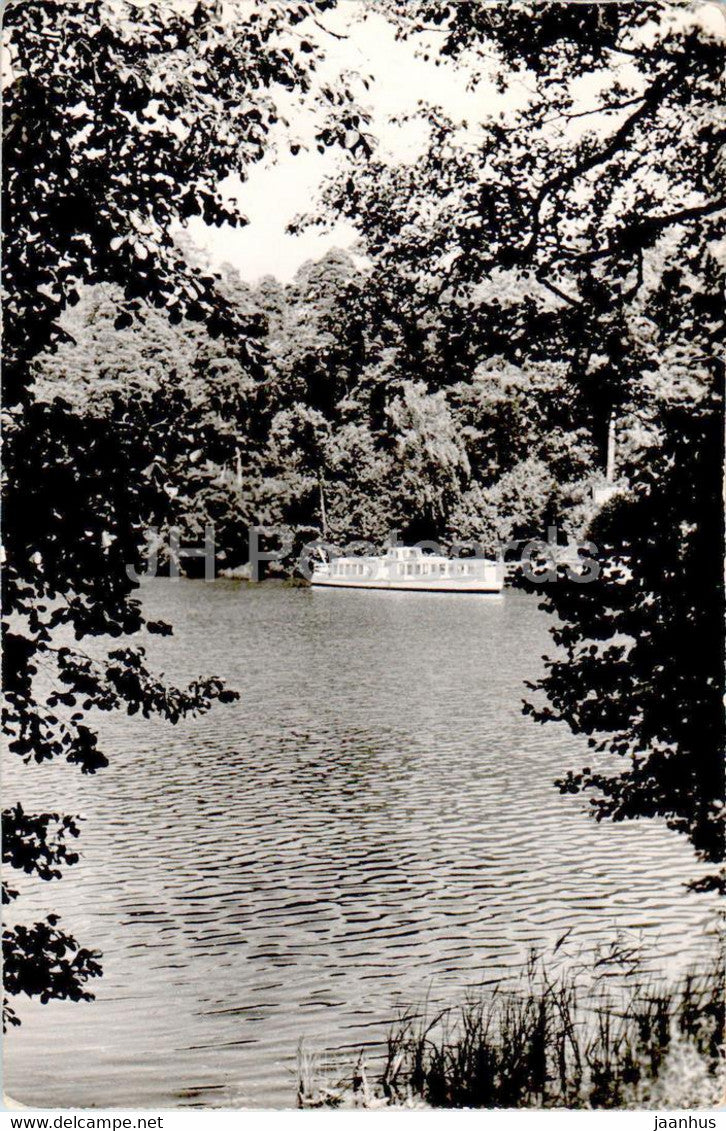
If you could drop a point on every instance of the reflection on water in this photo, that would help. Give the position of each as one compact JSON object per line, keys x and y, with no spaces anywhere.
{"x":372,"y":823}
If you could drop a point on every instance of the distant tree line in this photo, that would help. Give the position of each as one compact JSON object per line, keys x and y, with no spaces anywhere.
{"x":340,"y":405}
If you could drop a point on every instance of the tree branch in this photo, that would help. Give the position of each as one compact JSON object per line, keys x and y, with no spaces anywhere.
{"x":594,"y":110}
{"x":329,"y":31}
{"x":650,"y":102}
{"x":647,"y":227}
{"x":556,"y":290}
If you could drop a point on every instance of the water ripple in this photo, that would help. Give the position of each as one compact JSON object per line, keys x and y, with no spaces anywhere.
{"x":374,"y":823}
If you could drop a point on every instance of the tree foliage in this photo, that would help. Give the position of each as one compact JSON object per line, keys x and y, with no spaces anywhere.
{"x":120,"y":122}
{"x":527,"y":283}
{"x":580,"y":229}
{"x":641,"y":669}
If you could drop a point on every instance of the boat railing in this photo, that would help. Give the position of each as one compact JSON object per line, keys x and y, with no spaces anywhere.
{"x":422,"y":566}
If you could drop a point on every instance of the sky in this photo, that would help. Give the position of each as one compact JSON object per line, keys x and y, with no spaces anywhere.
{"x":284,"y":186}
{"x":278,"y":190}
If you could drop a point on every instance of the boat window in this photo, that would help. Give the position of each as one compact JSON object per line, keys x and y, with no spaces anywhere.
{"x":409,"y":568}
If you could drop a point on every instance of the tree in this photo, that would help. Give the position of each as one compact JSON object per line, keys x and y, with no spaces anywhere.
{"x":578,"y":227}
{"x":516,"y":507}
{"x":120,"y":123}
{"x":319,"y":349}
{"x":534,"y":233}
{"x":641,"y":670}
{"x":99,"y":362}
{"x":430,"y":461}
{"x":299,"y":437}
{"x":362,"y":493}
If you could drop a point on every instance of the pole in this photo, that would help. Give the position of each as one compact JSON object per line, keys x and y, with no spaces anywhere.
{"x":610,"y":468}
{"x":323,"y":516}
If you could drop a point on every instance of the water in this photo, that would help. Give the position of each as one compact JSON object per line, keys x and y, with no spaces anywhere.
{"x":373,"y":823}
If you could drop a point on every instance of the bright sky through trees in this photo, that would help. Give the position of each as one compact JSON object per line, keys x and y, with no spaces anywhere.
{"x":285,"y":185}
{"x":281,"y":188}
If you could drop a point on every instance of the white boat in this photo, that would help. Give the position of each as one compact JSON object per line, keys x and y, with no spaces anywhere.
{"x":409,"y":568}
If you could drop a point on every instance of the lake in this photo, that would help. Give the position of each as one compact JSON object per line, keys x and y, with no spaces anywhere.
{"x":372,"y":824}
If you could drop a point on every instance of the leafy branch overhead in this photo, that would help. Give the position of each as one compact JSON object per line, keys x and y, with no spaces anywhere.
{"x":121,"y":123}
{"x":580,"y":229}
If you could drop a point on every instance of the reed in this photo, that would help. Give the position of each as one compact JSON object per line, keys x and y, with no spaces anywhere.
{"x":557,"y":1041}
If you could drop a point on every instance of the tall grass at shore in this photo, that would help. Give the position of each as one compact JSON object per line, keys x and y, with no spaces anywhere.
{"x":552,"y":1041}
